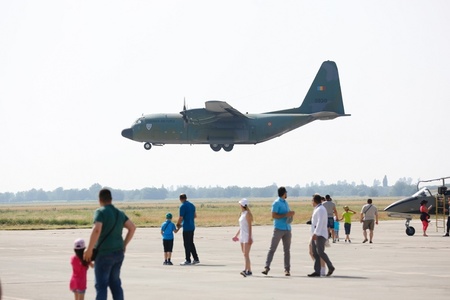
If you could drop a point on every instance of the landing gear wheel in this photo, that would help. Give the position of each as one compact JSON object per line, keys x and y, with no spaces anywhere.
{"x":228,"y":147}
{"x":216,"y":147}
{"x":147,"y":146}
{"x":410,"y":231}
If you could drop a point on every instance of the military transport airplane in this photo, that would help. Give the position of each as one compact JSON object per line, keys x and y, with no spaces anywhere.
{"x":407,"y":207}
{"x":221,"y":126}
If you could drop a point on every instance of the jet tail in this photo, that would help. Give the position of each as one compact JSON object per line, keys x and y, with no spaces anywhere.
{"x":324,"y":98}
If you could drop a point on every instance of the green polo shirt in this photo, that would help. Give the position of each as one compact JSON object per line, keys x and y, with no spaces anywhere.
{"x":107,"y":216}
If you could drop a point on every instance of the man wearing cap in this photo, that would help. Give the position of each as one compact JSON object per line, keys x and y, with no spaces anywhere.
{"x":187,"y":221}
{"x":107,"y":238}
{"x":282,"y":218}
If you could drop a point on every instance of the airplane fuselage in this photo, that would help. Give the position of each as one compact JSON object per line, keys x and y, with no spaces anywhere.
{"x":172,"y":129}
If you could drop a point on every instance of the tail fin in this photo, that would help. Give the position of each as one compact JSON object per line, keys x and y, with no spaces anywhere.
{"x":324,"y":98}
{"x":324,"y":95}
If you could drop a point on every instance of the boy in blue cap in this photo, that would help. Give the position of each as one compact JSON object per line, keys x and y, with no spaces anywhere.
{"x":167,"y":230}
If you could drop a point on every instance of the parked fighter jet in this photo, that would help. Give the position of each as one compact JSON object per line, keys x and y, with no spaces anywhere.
{"x":407,"y":207}
{"x":221,"y":126}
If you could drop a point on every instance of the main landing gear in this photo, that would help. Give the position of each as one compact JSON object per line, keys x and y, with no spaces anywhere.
{"x":226,"y":147}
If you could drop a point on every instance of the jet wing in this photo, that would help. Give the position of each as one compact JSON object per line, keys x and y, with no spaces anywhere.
{"x":223,"y":109}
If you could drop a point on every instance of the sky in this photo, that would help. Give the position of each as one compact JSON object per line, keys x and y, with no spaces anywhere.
{"x":73,"y":74}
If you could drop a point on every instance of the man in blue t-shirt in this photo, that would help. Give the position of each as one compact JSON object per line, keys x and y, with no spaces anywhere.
{"x":187,"y":221}
{"x":282,"y":218}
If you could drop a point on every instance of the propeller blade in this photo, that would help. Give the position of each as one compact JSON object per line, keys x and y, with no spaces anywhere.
{"x":183,"y":113}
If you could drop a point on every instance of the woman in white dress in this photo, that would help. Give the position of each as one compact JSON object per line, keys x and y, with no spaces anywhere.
{"x":244,"y":235}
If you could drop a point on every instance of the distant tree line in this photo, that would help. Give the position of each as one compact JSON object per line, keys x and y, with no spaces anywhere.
{"x":403,"y":187}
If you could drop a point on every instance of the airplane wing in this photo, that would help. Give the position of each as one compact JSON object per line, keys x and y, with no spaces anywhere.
{"x":213,"y":111}
{"x":223,"y":109}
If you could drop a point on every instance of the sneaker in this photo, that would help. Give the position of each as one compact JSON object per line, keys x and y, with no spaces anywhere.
{"x":446,"y":234}
{"x":243,"y":273}
{"x":165,"y":263}
{"x":266,"y":271}
{"x":195,"y":262}
{"x":287,"y":273}
{"x":365,"y":240}
{"x":249,"y":273}
{"x":330,"y":271}
{"x":349,"y":241}
{"x":169,"y":263}
{"x":185,"y":263}
{"x":370,"y":242}
{"x":314,"y":275}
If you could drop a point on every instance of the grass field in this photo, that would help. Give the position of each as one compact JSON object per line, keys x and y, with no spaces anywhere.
{"x":210,"y":213}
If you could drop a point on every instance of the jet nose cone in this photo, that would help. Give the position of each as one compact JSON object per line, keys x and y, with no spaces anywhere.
{"x":128,"y":133}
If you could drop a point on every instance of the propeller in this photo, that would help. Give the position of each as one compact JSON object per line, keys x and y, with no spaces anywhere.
{"x":183,"y":113}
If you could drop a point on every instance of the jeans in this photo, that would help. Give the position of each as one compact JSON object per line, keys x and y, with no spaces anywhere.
{"x":278,"y":235}
{"x":189,"y":247}
{"x":107,"y":273}
{"x":318,"y":249}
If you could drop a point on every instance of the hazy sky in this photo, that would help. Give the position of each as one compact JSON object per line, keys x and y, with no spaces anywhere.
{"x":73,"y":74}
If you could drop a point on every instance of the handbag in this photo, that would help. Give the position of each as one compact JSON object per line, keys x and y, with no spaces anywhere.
{"x":95,"y":250}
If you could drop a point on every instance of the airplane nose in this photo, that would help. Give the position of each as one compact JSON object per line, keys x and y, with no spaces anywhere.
{"x":128,"y":133}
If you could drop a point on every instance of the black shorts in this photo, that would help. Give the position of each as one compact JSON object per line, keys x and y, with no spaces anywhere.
{"x":168,"y":245}
{"x":348,"y":227}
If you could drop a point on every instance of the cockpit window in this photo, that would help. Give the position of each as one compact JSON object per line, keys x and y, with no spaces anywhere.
{"x":138,"y":121}
{"x":423,"y":192}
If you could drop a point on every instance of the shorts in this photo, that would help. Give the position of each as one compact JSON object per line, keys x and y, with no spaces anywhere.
{"x":369,"y":224}
{"x":79,"y":291}
{"x":330,"y":222}
{"x":168,"y":245}
{"x":347,"y":227}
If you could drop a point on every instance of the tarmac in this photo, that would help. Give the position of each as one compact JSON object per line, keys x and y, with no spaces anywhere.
{"x":36,"y":265}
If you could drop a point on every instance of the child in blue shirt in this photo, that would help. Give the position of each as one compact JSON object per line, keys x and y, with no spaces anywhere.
{"x":167,"y":230}
{"x":336,"y":230}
